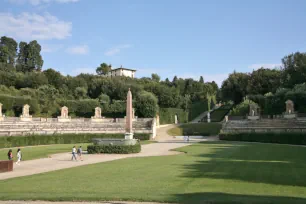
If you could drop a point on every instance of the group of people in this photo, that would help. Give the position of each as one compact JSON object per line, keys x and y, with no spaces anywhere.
{"x":10,"y":156}
{"x":78,"y":152}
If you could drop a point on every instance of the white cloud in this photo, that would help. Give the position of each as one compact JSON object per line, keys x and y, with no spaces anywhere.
{"x":117,"y":49}
{"x":78,"y":50}
{"x":29,"y":26}
{"x":39,"y":2}
{"x":271,"y":66}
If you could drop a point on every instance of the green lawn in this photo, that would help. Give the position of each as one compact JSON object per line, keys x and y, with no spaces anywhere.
{"x":216,"y":172}
{"x":203,"y":129}
{"x":36,"y":152}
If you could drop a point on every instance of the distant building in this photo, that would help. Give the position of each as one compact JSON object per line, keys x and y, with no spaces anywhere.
{"x":122,"y":72}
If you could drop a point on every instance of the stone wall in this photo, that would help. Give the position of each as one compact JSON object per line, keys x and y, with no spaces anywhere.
{"x":13,"y":126}
{"x":264,"y":125}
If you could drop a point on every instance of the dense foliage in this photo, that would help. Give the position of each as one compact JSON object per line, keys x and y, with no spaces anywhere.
{"x":269,"y":88}
{"x":18,"y":141}
{"x":23,"y":81}
{"x":281,"y":138}
{"x":196,"y":129}
{"x":114,"y":149}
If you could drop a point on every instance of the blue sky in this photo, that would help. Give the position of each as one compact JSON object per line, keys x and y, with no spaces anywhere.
{"x":168,"y":37}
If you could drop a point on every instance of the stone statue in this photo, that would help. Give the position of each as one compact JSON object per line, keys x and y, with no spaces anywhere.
{"x":64,"y":112}
{"x":253,"y":109}
{"x":253,"y":112}
{"x":175,"y":119}
{"x":289,"y":107}
{"x":133,"y":111}
{"x":26,"y":113}
{"x":64,"y":115}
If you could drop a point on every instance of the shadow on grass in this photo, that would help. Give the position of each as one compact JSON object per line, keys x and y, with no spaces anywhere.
{"x":257,"y":163}
{"x":222,"y":198}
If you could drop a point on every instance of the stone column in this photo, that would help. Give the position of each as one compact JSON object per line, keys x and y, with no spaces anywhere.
{"x":129,"y":117}
{"x":1,"y":116}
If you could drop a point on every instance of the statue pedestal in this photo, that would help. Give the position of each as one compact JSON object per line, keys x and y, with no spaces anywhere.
{"x":128,"y":136}
{"x":290,"y":116}
{"x":255,"y":117}
{"x":26,"y":119}
{"x":96,"y":120}
{"x":63,"y":120}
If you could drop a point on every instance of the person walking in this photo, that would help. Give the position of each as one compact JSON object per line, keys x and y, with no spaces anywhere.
{"x":73,"y":154}
{"x":18,"y":156}
{"x":80,"y":151}
{"x":10,"y":155}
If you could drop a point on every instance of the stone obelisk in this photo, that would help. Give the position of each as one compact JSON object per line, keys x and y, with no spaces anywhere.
{"x":129,"y":117}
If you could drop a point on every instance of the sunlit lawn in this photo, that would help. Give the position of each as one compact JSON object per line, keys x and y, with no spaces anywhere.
{"x":216,"y":172}
{"x":36,"y":152}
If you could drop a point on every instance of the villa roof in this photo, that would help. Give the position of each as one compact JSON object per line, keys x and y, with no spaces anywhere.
{"x":124,"y":69}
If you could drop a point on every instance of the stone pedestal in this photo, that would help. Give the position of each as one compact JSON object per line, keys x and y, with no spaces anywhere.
{"x":26,"y":119}
{"x":254,"y":117}
{"x":63,"y":119}
{"x":128,"y":136}
{"x":289,"y":116}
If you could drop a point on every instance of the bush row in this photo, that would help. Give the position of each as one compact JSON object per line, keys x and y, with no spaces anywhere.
{"x":16,"y":141}
{"x":114,"y":149}
{"x":196,"y":129}
{"x":281,"y":138}
{"x":167,"y":115}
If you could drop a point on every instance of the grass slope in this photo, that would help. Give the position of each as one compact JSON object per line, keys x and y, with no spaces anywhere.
{"x":37,"y":152}
{"x":203,"y":129}
{"x":222,"y":172}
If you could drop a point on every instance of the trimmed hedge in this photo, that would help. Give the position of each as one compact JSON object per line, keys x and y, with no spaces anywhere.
{"x":218,"y":115}
{"x":114,"y":149}
{"x":281,"y":138}
{"x":197,"y":108}
{"x":197,"y":129}
{"x":166,"y":115}
{"x":31,"y":140}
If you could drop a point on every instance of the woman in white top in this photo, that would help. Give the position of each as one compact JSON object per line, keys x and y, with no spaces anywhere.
{"x":18,"y":156}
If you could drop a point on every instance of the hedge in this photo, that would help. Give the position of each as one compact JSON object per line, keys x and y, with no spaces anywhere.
{"x":281,"y":138}
{"x":197,"y":108}
{"x":114,"y":149}
{"x":217,"y":115}
{"x":197,"y":129}
{"x":31,"y":140}
{"x":15,"y":103}
{"x":167,"y":115}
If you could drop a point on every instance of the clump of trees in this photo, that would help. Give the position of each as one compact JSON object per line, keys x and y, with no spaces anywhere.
{"x":22,"y":80}
{"x":270,"y":88}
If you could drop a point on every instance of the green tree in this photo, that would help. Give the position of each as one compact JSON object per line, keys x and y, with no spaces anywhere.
{"x":201,"y":79}
{"x":54,"y":78}
{"x":103,"y":69}
{"x":146,"y":105}
{"x":155,"y":77}
{"x":234,"y":88}
{"x":11,"y":46}
{"x":29,"y":58}
{"x":80,"y":92}
{"x":263,"y":81}
{"x":294,"y":69}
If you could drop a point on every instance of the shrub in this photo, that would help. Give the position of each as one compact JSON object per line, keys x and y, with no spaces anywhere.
{"x":167,"y":115}
{"x":114,"y":149}
{"x":281,"y":138}
{"x":146,"y":104}
{"x":14,"y":141}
